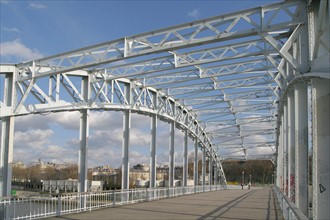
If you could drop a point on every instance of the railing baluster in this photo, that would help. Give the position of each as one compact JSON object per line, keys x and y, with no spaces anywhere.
{"x":29,"y":208}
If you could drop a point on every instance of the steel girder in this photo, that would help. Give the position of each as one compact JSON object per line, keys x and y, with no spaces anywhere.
{"x":221,"y":70}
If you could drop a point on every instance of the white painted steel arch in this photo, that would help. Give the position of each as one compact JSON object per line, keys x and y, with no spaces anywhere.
{"x":225,"y":80}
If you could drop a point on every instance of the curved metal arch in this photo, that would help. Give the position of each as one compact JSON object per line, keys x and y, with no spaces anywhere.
{"x":141,"y":101}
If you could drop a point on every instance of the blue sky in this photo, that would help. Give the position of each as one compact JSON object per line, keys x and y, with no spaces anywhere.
{"x":33,"y":29}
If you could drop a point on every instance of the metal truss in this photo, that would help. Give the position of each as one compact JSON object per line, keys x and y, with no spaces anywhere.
{"x":206,"y":75}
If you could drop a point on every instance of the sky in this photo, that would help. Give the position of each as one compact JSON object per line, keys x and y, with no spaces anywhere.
{"x":35,"y":29}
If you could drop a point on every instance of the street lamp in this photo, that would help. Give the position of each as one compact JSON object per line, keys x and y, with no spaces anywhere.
{"x":242,"y":179}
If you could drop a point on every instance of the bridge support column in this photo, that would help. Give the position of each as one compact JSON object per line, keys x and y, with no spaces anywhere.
{"x":126,"y":140}
{"x":215,"y":175}
{"x":7,"y":138}
{"x":280,"y":158}
{"x":185,"y":158}
{"x":171,"y":155}
{"x":125,"y":150}
{"x":7,"y":142}
{"x":210,"y":171}
{"x":203,"y":168}
{"x":153,"y":152}
{"x":291,"y":146}
{"x":84,"y":132}
{"x":321,"y":152}
{"x":285,"y":148}
{"x":196,"y":164}
{"x":301,"y":147}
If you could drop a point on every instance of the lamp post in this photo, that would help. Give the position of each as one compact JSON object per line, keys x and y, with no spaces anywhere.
{"x":242,"y":179}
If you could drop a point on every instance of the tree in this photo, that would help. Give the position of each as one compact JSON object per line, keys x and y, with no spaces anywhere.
{"x":261,"y":171}
{"x":19,"y":174}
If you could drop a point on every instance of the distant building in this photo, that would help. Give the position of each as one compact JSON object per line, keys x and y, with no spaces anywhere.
{"x":69,"y":185}
{"x":111,"y":178}
{"x":61,"y":185}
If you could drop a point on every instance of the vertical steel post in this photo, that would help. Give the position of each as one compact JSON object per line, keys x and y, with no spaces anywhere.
{"x":291,"y":146}
{"x":84,"y":132}
{"x":126,"y":141}
{"x":7,"y":142}
{"x":196,"y":163}
{"x":215,"y":175}
{"x":203,"y":168}
{"x":7,"y":138}
{"x":321,"y":152}
{"x":83,"y":137}
{"x":84,"y":127}
{"x":185,"y":155}
{"x":285,"y":148}
{"x":301,"y":147}
{"x":210,"y":170}
{"x":153,"y":151}
{"x":171,"y":155}
{"x":125,"y":150}
{"x":171,"y":172}
{"x":280,"y":158}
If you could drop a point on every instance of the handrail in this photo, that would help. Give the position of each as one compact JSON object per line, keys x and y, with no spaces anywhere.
{"x":289,"y":209}
{"x":66,"y":203}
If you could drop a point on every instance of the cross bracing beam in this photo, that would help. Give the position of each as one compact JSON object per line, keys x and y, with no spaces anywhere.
{"x":163,"y":79}
{"x":238,"y":96}
{"x":232,"y":122}
{"x":234,"y":129}
{"x":230,"y":145}
{"x":152,"y":67}
{"x":215,"y":29}
{"x":243,"y":134}
{"x":222,"y":129}
{"x":255,"y":107}
{"x":252,"y":83}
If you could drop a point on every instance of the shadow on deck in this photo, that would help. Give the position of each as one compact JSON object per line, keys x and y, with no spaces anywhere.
{"x":257,"y":203}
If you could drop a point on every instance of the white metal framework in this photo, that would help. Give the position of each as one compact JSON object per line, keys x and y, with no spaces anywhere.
{"x":224,"y":80}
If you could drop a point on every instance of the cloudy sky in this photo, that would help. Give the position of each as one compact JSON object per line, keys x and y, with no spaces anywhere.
{"x":34,"y":29}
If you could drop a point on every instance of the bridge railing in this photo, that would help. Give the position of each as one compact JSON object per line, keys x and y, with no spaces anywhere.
{"x":289,"y":209}
{"x":61,"y":204}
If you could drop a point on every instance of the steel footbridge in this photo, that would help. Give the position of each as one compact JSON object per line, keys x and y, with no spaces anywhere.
{"x":244,"y":81}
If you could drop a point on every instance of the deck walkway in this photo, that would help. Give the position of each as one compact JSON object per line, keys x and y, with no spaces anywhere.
{"x":257,"y":203}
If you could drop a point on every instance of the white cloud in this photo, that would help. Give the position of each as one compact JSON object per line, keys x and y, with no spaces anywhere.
{"x":102,"y":139}
{"x":55,"y":138}
{"x":15,"y":30}
{"x":31,"y":122}
{"x":17,"y":51}
{"x":194,"y":13}
{"x":54,"y":153}
{"x":34,"y":139}
{"x":69,"y":120}
{"x":137,"y":157}
{"x":110,"y":156}
{"x":37,"y":5}
{"x":105,"y":119}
